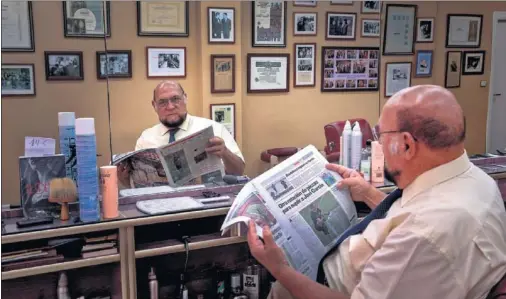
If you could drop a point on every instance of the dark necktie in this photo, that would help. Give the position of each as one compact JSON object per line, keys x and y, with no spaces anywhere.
{"x":172,"y":136}
{"x":378,"y":213}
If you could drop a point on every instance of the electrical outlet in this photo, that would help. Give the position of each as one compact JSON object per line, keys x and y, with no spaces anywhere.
{"x":483,"y":83}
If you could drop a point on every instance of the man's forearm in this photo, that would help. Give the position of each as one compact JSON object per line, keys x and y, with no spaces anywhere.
{"x":233,"y":164}
{"x":374,"y":197}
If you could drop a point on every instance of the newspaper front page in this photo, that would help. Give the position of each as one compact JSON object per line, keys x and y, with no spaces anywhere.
{"x":299,"y":200}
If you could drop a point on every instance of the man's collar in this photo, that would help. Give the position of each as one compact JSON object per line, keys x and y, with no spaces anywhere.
{"x":162,"y":129}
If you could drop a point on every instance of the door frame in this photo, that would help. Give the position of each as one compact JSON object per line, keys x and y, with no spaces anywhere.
{"x":498,"y":15}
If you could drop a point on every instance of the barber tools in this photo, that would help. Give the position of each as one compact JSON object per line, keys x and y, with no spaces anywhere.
{"x":63,"y":191}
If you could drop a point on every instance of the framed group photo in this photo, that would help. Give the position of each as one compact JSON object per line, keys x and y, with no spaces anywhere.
{"x":425,"y":30}
{"x":222,"y":73}
{"x":370,"y":28}
{"x":166,"y":62}
{"x":221,"y":25}
{"x":473,"y":63}
{"x":163,"y":18}
{"x":17,"y":26}
{"x":397,"y":77}
{"x":64,"y":65}
{"x":225,"y":115}
{"x":18,"y":80}
{"x":86,"y":18}
{"x":453,"y":69}
{"x":268,"y":23}
{"x":268,"y":73}
{"x":424,"y":62}
{"x":463,"y":31}
{"x":305,"y":23}
{"x":114,"y":64}
{"x":399,"y":34}
{"x":341,"y":25}
{"x":304,"y":65}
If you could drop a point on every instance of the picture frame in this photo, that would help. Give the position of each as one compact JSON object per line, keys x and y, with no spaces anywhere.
{"x":225,"y":115}
{"x":453,"y":69}
{"x":350,"y":69}
{"x":119,"y":64}
{"x":463,"y":30}
{"x":268,"y":37}
{"x":399,"y":31}
{"x":397,"y":77}
{"x":305,"y":23}
{"x":425,"y":30}
{"x":370,"y":28}
{"x":473,"y":63}
{"x":86,"y":18}
{"x":221,"y":25}
{"x":370,"y":7}
{"x":304,"y":64}
{"x":64,"y":65}
{"x":424,"y":63}
{"x":18,"y":79}
{"x":163,"y":25}
{"x":274,"y":67}
{"x":222,"y":73}
{"x":17,"y":26}
{"x":341,"y":2}
{"x":310,"y":3}
{"x":333,"y":30}
{"x":166,"y":62}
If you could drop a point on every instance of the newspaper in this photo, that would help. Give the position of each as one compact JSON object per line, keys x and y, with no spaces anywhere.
{"x":299,"y":200}
{"x":184,"y":162}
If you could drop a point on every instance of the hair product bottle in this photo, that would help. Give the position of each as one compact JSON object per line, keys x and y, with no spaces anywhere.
{"x":109,"y":190}
{"x":356,"y":147}
{"x":377,"y":163}
{"x":153,"y":284}
{"x":67,"y":134}
{"x":346,"y":144}
{"x":365,"y":161}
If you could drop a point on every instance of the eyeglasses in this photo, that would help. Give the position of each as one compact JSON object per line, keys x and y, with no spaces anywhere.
{"x":377,"y":134}
{"x":175,"y":101}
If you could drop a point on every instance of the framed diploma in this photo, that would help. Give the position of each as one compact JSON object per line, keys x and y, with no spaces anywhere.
{"x":225,"y":115}
{"x":453,"y":69}
{"x":18,"y":80}
{"x":17,"y":26}
{"x":397,"y":77}
{"x":400,"y":31}
{"x":269,"y":23}
{"x":304,"y":64}
{"x":222,"y":73}
{"x":86,"y":18}
{"x":268,"y":72}
{"x":166,"y":62}
{"x":163,"y":18}
{"x":463,"y":31}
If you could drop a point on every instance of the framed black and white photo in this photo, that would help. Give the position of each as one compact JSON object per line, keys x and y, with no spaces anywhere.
{"x":225,"y":115}
{"x":304,"y":23}
{"x":399,"y":34}
{"x":424,"y":62}
{"x":370,"y":6}
{"x":463,"y":31}
{"x":114,"y":64}
{"x":453,"y":69}
{"x":304,"y":64}
{"x":268,"y":72}
{"x":305,"y":3}
{"x":473,"y":63}
{"x":370,"y":28}
{"x":17,"y":26}
{"x":397,"y":77}
{"x":166,"y":62}
{"x":221,"y":25}
{"x":18,"y":80}
{"x":86,"y":18}
{"x":66,"y":65}
{"x":341,"y":25}
{"x":425,"y":30}
{"x":268,"y":23}
{"x":163,"y":18}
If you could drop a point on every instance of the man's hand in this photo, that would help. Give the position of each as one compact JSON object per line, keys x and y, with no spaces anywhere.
{"x":267,"y":253}
{"x":216,"y":146}
{"x":124,"y":174}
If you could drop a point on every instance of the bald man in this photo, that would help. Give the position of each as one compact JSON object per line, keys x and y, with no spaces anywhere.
{"x":445,"y":237}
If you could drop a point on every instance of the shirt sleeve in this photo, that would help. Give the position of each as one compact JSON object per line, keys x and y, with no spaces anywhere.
{"x":140,"y":144}
{"x":229,"y":141}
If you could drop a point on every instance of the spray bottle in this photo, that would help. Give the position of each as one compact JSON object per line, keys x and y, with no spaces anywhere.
{"x":153,"y":284}
{"x":346,"y":144}
{"x":356,"y":147}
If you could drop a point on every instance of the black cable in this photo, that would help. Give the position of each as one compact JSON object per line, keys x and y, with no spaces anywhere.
{"x":105,"y":22}
{"x":186,"y":240}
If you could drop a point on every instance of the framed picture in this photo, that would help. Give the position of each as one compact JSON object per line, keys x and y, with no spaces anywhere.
{"x":269,"y":23}
{"x":397,"y":77}
{"x":86,"y":18}
{"x":304,"y":64}
{"x":452,"y":71}
{"x":371,"y":6}
{"x":17,"y":26}
{"x":64,"y":65}
{"x":18,"y":80}
{"x":304,"y":23}
{"x":370,"y":28}
{"x":225,"y":115}
{"x":305,"y":3}
{"x":350,"y":69}
{"x":221,"y":25}
{"x":166,"y":62}
{"x":463,"y":31}
{"x":425,"y":30}
{"x":268,"y":72}
{"x":424,"y":62}
{"x":114,"y":64}
{"x":163,"y":18}
{"x":341,"y":2}
{"x":399,"y":32}
{"x":473,"y":63}
{"x":222,"y":73}
{"x":340,"y":25}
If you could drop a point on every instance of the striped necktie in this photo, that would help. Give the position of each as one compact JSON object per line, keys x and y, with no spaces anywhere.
{"x":172,"y":136}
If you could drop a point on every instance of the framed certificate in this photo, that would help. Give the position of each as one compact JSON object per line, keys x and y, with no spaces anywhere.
{"x":400,"y":31}
{"x":163,"y":18}
{"x":225,"y":115}
{"x":17,"y":26}
{"x":304,"y":64}
{"x":268,"y":72}
{"x":463,"y":31}
{"x":18,"y":80}
{"x":86,"y":18}
{"x":222,"y":73}
{"x":397,"y":77}
{"x":269,"y":23}
{"x":166,"y":62}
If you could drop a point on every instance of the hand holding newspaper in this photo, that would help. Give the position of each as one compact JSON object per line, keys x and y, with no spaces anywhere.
{"x":299,"y":201}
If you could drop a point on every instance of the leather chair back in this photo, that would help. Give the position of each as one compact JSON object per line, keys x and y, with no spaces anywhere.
{"x":499,"y":290}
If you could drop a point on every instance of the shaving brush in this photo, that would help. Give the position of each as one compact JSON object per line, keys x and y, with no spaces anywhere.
{"x":63,"y":191}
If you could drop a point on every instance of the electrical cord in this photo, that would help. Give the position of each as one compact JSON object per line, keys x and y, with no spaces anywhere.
{"x":186,"y":240}
{"x":104,"y":25}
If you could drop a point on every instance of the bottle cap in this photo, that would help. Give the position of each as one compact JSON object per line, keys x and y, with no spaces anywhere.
{"x":85,"y":126}
{"x":152,"y":275}
{"x":347,"y":125}
{"x":235,"y":280}
{"x":63,"y":281}
{"x":66,"y":118}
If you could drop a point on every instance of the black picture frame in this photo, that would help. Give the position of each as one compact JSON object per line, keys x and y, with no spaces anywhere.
{"x":107,"y":29}
{"x":448,"y":22}
{"x":253,"y":42}
{"x":156,"y":34}
{"x":414,"y":23}
{"x":32,"y":40}
{"x":128,"y":74}
{"x":50,"y":77}
{"x":464,"y":63}
{"x":458,"y":64}
{"x":419,"y":39}
{"x":31,"y":66}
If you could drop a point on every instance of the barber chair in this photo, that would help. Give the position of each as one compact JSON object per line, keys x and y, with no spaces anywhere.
{"x":333,"y":132}
{"x":499,"y":290}
{"x":275,"y":155}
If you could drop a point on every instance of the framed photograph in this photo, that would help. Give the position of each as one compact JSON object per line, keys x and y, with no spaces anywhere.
{"x":268,"y":72}
{"x":341,"y":2}
{"x":370,"y":28}
{"x":304,"y":23}
{"x":163,"y":18}
{"x":397,"y":77}
{"x":221,"y":25}
{"x":18,"y":80}
{"x":64,"y":65}
{"x":225,"y":115}
{"x":114,"y":64}
{"x":341,"y":25}
{"x":304,"y":65}
{"x":166,"y":62}
{"x":269,"y":23}
{"x":452,"y":71}
{"x":350,"y":69}
{"x":371,"y":6}
{"x":473,"y":63}
{"x":222,"y":73}
{"x":304,"y":3}
{"x":425,"y":30}
{"x":463,"y":31}
{"x":17,"y":26}
{"x":399,"y":32}
{"x":86,"y":18}
{"x":424,"y":62}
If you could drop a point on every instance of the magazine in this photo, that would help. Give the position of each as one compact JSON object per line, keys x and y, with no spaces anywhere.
{"x":299,"y":200}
